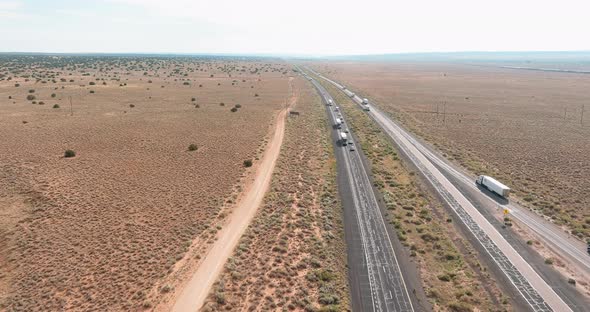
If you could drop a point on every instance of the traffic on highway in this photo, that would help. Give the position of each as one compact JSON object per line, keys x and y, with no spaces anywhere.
{"x":387,"y":289}
{"x":536,"y":291}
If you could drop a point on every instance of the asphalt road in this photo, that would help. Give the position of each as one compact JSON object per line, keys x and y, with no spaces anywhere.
{"x":530,"y":285}
{"x":381,"y":287}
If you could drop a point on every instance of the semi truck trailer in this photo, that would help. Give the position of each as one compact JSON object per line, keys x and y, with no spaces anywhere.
{"x":343,"y":138}
{"x":493,"y":185}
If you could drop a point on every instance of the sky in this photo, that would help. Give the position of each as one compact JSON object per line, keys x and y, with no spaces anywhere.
{"x":296,"y":27}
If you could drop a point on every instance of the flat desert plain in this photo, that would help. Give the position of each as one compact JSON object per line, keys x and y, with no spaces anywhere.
{"x":101,"y":230}
{"x":524,"y":127}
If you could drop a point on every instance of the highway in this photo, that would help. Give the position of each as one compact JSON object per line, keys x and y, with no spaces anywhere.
{"x":537,"y":292}
{"x":385,"y":289}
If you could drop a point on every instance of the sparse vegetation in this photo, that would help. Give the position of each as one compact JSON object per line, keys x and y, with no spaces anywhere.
{"x":193,"y":147}
{"x":299,"y":262}
{"x":69,"y":153}
{"x":134,"y":261}
{"x":248,"y":163}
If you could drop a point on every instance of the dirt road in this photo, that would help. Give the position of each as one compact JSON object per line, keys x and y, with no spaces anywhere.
{"x":196,"y":290}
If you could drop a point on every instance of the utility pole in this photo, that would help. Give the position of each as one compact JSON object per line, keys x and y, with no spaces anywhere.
{"x":444,"y":112}
{"x":71,"y":107}
{"x":582,"y":116}
{"x":436,"y":111}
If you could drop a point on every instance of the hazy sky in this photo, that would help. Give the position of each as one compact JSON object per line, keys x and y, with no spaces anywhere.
{"x":315,"y":27}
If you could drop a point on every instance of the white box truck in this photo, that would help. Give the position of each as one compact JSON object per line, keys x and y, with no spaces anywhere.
{"x":493,"y":185}
{"x":330,"y":102}
{"x":339,"y":123}
{"x":343,"y":138}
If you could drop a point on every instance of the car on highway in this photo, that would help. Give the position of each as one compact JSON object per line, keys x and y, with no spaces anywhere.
{"x":588,"y":248}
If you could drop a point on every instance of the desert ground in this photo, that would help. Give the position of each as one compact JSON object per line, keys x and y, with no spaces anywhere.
{"x":527,"y":128}
{"x":292,"y":256}
{"x":106,"y":229}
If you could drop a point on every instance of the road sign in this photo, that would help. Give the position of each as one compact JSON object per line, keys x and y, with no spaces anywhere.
{"x":506,"y":211}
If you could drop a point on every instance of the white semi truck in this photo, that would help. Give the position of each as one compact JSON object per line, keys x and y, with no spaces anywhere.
{"x":493,"y":185}
{"x":330,"y":102}
{"x":343,"y":138}
{"x":339,"y":123}
{"x":365,"y":101}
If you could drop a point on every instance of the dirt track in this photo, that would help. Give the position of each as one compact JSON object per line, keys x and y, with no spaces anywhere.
{"x":196,"y":290}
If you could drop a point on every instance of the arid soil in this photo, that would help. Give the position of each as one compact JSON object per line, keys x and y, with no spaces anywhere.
{"x":192,"y":295}
{"x":292,"y":257}
{"x":101,"y":230}
{"x":523,"y":127}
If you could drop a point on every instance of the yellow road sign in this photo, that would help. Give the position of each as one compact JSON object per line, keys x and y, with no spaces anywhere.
{"x":506,"y":211}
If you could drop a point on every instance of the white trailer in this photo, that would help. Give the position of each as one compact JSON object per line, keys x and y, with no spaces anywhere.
{"x":343,"y":138}
{"x":493,"y":185}
{"x":366,"y":108}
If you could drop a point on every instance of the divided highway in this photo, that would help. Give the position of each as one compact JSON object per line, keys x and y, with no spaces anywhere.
{"x":539,"y":295}
{"x":386,"y":289}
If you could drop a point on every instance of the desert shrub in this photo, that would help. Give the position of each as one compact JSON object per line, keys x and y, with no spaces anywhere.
{"x":444,"y":277}
{"x":460,"y":307}
{"x":220,"y":297}
{"x":200,"y":86}
{"x":56,"y":106}
{"x":248,"y":163}
{"x":132,"y":105}
{"x":69,"y":153}
{"x":193,"y":99}
{"x":91,"y":91}
{"x":238,"y":105}
{"x":92,"y":83}
{"x":30,"y":97}
{"x":193,"y":147}
{"x":549,"y":261}
{"x":17,"y":85}
{"x":71,"y":80}
{"x":10,"y":97}
{"x":52,"y":95}
{"x":32,"y":91}
{"x":186,"y":83}
{"x":221,"y":104}
{"x":149,"y":81}
{"x":41,"y":103}
{"x":233,"y":109}
{"x":255,"y":94}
